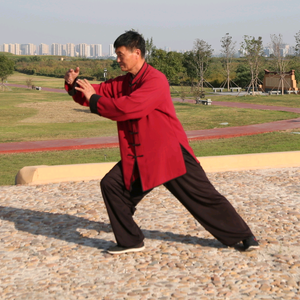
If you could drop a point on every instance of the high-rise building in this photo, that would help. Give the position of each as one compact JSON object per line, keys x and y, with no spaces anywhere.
{"x":17,"y":49}
{"x":43,"y":49}
{"x":111,"y":50}
{"x":28,"y":49}
{"x":56,"y":49}
{"x":70,"y":49}
{"x":96,"y":50}
{"x":5,"y":48}
{"x":12,"y":48}
{"x":83,"y":50}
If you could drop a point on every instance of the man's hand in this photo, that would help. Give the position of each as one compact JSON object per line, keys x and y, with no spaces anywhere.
{"x":86,"y":88}
{"x":71,"y":75}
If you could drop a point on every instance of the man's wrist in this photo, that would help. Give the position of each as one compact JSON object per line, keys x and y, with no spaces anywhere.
{"x":93,"y":104}
{"x":72,"y":90}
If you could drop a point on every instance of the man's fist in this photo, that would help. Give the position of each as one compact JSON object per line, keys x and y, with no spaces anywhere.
{"x":71,"y":75}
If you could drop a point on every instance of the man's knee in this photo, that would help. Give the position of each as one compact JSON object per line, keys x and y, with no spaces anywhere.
{"x":106,"y":183}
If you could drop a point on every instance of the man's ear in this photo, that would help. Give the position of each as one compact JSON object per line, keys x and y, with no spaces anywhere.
{"x":138,"y":52}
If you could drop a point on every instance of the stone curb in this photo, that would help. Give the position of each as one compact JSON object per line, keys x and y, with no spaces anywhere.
{"x":51,"y":174}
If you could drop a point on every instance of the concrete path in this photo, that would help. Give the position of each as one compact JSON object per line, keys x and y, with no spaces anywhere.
{"x":53,"y":239}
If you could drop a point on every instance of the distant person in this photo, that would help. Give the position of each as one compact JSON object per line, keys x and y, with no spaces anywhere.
{"x":154,"y":151}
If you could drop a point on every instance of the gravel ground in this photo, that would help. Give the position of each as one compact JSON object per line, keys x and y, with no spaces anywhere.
{"x":53,"y":239}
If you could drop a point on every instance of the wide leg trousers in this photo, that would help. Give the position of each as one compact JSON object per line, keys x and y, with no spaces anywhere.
{"x":194,"y":190}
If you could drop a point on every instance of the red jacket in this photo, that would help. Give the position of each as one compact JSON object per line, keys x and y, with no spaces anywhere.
{"x":149,"y":131}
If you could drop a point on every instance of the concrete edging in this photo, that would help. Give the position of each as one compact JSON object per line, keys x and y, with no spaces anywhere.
{"x":51,"y":174}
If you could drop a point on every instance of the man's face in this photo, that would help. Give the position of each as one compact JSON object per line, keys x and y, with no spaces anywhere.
{"x":127,"y":59}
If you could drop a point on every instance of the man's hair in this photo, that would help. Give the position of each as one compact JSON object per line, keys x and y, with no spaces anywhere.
{"x":131,"y":40}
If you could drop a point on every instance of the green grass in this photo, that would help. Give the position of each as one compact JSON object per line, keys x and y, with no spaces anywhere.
{"x":192,"y":117}
{"x":43,"y":81}
{"x":291,"y":100}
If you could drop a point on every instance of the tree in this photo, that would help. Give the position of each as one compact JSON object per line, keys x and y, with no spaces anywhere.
{"x":6,"y":68}
{"x":297,"y":47}
{"x":228,"y":50}
{"x":199,"y":59}
{"x":281,"y":62}
{"x":29,"y":82}
{"x":253,"y":50}
{"x":169,"y":63}
{"x":149,"y":49}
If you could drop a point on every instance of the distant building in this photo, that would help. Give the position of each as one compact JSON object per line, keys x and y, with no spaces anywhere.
{"x":111,"y":50}
{"x":28,"y":49}
{"x":96,"y":50}
{"x":70,"y":49}
{"x":268,"y":51}
{"x":5,"y":48}
{"x":280,"y":81}
{"x":43,"y":49}
{"x":84,"y":50}
{"x":56,"y":49}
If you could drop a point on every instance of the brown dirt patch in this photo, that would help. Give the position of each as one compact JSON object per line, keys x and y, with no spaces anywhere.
{"x":59,"y":112}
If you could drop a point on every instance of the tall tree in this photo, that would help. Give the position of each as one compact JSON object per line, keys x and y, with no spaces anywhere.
{"x":6,"y":68}
{"x":281,"y":62}
{"x":253,"y":50}
{"x":200,"y":58}
{"x":169,"y":63}
{"x":149,"y":49}
{"x":297,"y":47}
{"x":228,"y":50}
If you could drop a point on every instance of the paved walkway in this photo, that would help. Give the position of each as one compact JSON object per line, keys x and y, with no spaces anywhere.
{"x":53,"y":239}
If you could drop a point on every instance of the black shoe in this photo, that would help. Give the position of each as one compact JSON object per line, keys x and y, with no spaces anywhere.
{"x":119,"y":249}
{"x":250,"y":243}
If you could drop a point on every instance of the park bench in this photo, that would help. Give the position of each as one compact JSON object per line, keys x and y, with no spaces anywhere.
{"x":255,"y":93}
{"x":238,"y":89}
{"x":216,"y":89}
{"x":274,"y":92}
{"x":292,"y":92}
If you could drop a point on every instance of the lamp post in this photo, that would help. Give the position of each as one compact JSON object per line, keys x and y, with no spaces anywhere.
{"x":105,"y":72}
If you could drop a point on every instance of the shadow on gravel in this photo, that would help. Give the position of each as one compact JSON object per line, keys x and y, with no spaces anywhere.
{"x":65,"y":227}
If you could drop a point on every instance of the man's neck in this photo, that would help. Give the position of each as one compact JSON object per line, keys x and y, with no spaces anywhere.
{"x":137,"y":68}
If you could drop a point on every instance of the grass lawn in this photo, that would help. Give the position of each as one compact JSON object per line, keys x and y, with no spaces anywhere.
{"x":30,"y":115}
{"x":43,"y":81}
{"x":291,"y":100}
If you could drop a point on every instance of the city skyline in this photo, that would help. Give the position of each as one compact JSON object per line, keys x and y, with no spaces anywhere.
{"x":95,"y":50}
{"x":170,"y":24}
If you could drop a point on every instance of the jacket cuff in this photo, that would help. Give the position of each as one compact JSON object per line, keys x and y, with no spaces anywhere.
{"x":71,"y":90}
{"x":93,"y":104}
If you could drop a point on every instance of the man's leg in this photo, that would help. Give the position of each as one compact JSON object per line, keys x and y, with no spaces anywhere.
{"x":212,"y":210}
{"x":120,"y":204}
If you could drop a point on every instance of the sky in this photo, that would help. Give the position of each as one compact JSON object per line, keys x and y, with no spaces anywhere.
{"x":171,"y":23}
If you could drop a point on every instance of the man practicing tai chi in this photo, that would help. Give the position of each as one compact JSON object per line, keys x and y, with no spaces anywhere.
{"x":154,"y":151}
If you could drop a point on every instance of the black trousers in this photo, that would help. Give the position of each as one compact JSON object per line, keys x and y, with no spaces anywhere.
{"x":212,"y":210}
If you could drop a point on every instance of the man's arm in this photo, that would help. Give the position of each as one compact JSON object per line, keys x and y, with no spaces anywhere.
{"x":86,"y":88}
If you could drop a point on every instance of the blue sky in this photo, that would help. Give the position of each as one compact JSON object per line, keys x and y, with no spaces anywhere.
{"x":171,"y":23}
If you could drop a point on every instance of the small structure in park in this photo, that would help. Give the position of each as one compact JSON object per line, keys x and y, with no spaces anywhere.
{"x":275,"y":82}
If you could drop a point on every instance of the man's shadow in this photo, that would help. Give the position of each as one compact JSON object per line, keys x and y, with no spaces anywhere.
{"x":64,"y":227}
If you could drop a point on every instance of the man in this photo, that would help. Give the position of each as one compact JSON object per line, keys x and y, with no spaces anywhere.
{"x":154,"y":151}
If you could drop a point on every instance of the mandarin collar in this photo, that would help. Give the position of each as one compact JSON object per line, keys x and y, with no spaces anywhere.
{"x":139,"y":75}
